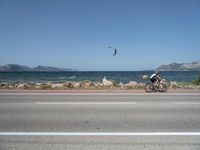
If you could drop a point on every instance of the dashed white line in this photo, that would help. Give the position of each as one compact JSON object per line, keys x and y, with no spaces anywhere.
{"x":113,"y":103}
{"x":86,"y":103}
{"x":186,"y":103}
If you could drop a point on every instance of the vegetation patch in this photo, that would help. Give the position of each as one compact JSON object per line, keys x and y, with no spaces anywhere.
{"x":197,"y":81}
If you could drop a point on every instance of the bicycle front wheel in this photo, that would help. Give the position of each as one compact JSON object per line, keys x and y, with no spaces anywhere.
{"x":162,"y":87}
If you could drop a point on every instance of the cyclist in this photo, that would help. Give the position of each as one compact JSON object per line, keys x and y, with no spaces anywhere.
{"x":155,"y":78}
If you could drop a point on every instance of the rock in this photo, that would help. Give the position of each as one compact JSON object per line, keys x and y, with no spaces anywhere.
{"x":68,"y":84}
{"x":98,"y":84}
{"x":115,"y":84}
{"x":76,"y":85}
{"x":47,"y":85}
{"x":189,"y":86}
{"x":192,"y":87}
{"x":3,"y":85}
{"x":121,"y":85}
{"x":173,"y":84}
{"x":131,"y":84}
{"x":163,"y":80}
{"x":11,"y":87}
{"x":38,"y":84}
{"x":37,"y":87}
{"x":166,"y":82}
{"x":87,"y":84}
{"x":107,"y":83}
{"x":145,"y":77}
{"x":140,"y":85}
{"x":20,"y":85}
{"x":57,"y":85}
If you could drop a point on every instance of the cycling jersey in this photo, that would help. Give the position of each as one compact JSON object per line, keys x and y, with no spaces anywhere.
{"x":153,"y":76}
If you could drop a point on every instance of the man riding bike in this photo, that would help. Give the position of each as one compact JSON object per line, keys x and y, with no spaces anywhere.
{"x":155,"y":78}
{"x":155,"y":84}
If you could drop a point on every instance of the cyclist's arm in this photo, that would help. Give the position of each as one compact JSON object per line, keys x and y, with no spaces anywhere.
{"x":158,"y":77}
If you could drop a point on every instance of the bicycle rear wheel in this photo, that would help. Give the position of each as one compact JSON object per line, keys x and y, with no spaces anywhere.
{"x":149,"y":87}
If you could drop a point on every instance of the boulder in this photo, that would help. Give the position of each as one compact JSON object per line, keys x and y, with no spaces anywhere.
{"x":37,"y":86}
{"x":107,"y":83}
{"x":68,"y":84}
{"x":3,"y":85}
{"x":20,"y":85}
{"x":145,"y":77}
{"x":140,"y":85}
{"x":47,"y":85}
{"x":76,"y":85}
{"x":165,"y":81}
{"x":131,"y":84}
{"x":57,"y":85}
{"x":173,"y":84}
{"x":98,"y":84}
{"x":122,"y":85}
{"x":87,"y":84}
{"x":191,"y":86}
{"x":11,"y":87}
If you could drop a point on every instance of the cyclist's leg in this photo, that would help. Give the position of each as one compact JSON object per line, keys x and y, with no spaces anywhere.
{"x":153,"y":80}
{"x":156,"y":84}
{"x":157,"y":81}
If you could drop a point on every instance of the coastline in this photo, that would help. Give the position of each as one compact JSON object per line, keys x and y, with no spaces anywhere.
{"x":91,"y":92}
{"x":86,"y":85}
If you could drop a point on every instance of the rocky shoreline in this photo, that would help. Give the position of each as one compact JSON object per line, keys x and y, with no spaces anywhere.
{"x":84,"y":85}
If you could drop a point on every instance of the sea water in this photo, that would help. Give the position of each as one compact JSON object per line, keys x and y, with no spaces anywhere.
{"x":118,"y":76}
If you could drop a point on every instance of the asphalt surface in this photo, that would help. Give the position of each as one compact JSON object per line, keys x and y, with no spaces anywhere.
{"x":48,"y":116}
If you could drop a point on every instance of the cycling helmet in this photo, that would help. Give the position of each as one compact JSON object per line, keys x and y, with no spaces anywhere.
{"x":157,"y":72}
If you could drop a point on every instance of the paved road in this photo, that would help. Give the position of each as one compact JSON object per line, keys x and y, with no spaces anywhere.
{"x":43,"y":121}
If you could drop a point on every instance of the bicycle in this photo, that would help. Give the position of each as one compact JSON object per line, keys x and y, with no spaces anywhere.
{"x":160,"y":87}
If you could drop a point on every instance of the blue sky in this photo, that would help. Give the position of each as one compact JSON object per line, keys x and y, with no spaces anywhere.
{"x":77,"y":33}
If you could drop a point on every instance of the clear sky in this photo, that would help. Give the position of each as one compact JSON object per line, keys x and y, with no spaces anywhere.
{"x":77,"y":33}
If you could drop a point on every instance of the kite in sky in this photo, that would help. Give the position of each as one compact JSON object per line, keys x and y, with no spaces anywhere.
{"x":115,"y":50}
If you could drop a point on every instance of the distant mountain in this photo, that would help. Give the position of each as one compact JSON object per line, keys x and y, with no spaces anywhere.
{"x":194,"y":66}
{"x":49,"y":68}
{"x":14,"y":67}
{"x":20,"y":68}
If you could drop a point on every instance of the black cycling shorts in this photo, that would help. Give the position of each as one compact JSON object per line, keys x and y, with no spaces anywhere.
{"x":153,"y":80}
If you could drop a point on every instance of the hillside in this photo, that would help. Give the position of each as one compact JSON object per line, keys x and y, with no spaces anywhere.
{"x":194,"y":66}
{"x":20,"y":68}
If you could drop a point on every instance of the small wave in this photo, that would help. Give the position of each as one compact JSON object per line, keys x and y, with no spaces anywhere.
{"x":62,"y":77}
{"x":72,"y":77}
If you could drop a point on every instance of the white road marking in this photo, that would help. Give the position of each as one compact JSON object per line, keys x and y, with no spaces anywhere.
{"x":186,"y":103}
{"x":114,"y":103}
{"x":99,"y":133}
{"x":86,"y":103}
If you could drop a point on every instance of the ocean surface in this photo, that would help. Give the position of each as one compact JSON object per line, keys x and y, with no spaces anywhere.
{"x":119,"y":76}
